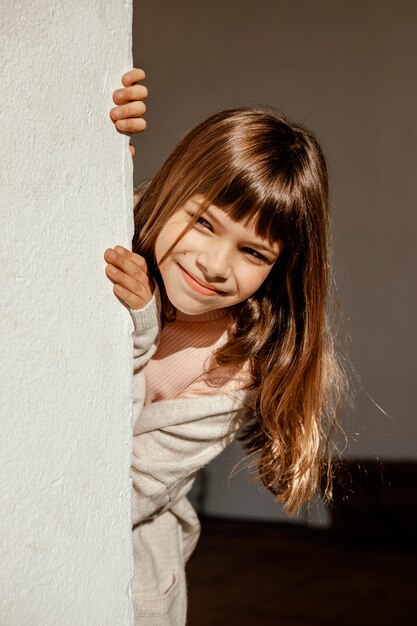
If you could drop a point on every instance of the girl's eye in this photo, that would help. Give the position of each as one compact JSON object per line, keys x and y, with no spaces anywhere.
{"x":204,"y":222}
{"x":201,"y":221}
{"x":256,"y":256}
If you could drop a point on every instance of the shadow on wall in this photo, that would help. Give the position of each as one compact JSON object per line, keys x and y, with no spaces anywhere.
{"x":373,"y":500}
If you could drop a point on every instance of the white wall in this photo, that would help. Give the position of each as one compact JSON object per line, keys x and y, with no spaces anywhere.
{"x":347,"y":70}
{"x":65,"y":354}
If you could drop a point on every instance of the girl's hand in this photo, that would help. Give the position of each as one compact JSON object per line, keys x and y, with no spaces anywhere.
{"x":127,"y":116}
{"x":129,"y":273}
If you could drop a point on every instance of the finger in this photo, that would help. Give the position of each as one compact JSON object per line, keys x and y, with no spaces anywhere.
{"x":133,"y":257}
{"x":135,"y":294}
{"x":129,"y":269}
{"x":136,"y":92}
{"x":136,"y":287}
{"x":132,"y":150}
{"x":133,"y":125}
{"x":133,"y":109}
{"x":133,"y":301}
{"x":128,"y":262}
{"x":132,"y":76}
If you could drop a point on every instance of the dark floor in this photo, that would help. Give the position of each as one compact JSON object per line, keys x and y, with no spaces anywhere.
{"x":254,"y":573}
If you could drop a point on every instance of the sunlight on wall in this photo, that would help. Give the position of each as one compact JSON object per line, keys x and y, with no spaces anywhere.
{"x":66,"y":346}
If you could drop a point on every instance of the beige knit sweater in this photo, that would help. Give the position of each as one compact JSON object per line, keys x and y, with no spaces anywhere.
{"x":173,"y":439}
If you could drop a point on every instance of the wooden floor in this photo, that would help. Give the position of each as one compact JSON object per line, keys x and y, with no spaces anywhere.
{"x":253,"y":573}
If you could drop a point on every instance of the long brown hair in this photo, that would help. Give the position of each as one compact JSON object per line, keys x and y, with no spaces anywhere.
{"x":257,"y":165}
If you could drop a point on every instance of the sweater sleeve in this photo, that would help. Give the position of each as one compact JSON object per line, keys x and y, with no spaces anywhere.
{"x":146,"y":330}
{"x":167,"y":459}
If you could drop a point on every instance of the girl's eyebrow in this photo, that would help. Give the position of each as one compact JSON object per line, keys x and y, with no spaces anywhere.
{"x":266,"y":248}
{"x":257,"y":244}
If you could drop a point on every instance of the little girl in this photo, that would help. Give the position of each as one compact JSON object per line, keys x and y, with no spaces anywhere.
{"x":227,"y":286}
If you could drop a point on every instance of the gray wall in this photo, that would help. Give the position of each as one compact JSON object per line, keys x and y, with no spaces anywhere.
{"x":347,"y":70}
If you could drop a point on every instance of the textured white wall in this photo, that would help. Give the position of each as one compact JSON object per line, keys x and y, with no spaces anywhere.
{"x":65,"y":555}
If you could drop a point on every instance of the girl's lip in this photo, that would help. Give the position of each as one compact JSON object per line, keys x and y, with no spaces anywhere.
{"x":198,"y":285}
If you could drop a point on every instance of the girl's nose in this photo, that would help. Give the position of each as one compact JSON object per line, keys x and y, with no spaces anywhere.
{"x":215,"y":262}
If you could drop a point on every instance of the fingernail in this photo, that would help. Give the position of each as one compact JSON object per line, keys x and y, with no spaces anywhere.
{"x":111,"y":254}
{"x":117,"y":113}
{"x":119,"y":249}
{"x":119,"y":93}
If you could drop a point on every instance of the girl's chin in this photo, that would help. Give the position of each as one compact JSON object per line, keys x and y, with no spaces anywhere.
{"x":194,"y":310}
{"x":194,"y":307}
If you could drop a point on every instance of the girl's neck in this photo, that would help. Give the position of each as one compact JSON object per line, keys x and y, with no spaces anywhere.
{"x":202,"y":317}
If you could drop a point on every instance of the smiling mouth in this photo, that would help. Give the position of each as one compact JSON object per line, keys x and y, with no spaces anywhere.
{"x":198,"y":286}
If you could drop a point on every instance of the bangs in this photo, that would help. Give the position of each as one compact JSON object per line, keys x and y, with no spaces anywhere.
{"x":273,"y":213}
{"x":251,"y":164}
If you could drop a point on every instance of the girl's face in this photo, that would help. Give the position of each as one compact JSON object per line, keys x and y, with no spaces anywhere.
{"x":216,"y":264}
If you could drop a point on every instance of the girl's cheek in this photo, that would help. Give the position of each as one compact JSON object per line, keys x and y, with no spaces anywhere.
{"x":256,"y":278}
{"x":189,"y":241}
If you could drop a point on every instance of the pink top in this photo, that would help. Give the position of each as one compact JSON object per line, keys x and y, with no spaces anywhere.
{"x":178,"y":369}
